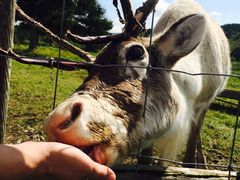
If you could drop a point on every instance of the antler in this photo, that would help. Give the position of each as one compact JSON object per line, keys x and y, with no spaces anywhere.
{"x":143,"y":12}
{"x":135,"y":24}
{"x":92,"y":39}
{"x":128,"y":15}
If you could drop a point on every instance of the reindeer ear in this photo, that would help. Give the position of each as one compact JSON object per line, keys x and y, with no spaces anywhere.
{"x":181,"y":39}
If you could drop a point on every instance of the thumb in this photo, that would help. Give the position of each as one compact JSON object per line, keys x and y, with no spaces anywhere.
{"x":103,"y":172}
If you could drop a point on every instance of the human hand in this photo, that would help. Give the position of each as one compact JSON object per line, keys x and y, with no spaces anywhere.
{"x":51,"y":160}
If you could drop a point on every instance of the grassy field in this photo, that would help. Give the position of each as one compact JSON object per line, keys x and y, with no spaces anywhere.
{"x":31,"y":94}
{"x":31,"y":99}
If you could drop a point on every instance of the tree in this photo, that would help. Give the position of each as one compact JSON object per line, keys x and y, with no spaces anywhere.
{"x":89,"y":19}
{"x":49,"y":14}
{"x":236,"y":53}
{"x":232,"y":32}
{"x":231,"y":29}
{"x":82,"y":17}
{"x":6,"y":41}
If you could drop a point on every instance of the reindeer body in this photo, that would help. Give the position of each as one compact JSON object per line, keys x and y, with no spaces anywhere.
{"x":195,"y":93}
{"x":104,"y":116}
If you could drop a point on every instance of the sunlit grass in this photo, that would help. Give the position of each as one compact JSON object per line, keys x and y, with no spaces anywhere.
{"x":31,"y":93}
{"x":42,"y":51}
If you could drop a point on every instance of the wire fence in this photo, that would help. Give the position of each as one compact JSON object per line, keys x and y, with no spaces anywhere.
{"x":78,"y":65}
{"x":230,"y":167}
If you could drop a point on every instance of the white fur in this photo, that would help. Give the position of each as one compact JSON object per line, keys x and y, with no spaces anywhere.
{"x":190,"y":91}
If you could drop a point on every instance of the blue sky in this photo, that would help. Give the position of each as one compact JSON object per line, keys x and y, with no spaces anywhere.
{"x":224,"y":11}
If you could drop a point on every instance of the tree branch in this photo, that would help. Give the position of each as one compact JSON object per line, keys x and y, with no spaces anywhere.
{"x":75,"y":50}
{"x":52,"y":62}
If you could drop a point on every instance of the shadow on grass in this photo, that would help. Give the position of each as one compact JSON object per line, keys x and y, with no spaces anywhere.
{"x":232,"y":110}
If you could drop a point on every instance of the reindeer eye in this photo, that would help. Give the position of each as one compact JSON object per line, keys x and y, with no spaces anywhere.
{"x":135,"y":53}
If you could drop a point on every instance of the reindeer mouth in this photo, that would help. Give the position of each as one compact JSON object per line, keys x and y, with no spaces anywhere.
{"x":95,"y":152}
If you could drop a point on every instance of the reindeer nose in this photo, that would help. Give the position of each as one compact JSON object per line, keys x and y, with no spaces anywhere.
{"x":75,"y":112}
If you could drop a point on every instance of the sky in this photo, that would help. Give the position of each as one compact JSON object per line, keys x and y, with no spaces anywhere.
{"x":223,"y":11}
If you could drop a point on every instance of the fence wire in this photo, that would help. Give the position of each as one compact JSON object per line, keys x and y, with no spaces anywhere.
{"x":78,"y":65}
{"x":230,"y":167}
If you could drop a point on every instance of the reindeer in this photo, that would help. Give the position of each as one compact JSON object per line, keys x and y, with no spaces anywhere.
{"x":104,"y":116}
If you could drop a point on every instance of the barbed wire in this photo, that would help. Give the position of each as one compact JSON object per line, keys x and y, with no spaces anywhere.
{"x":79,"y":64}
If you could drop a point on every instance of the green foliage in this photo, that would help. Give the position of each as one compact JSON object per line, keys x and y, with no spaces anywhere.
{"x":81,"y":17}
{"x":231,"y":29}
{"x":236,"y":53}
{"x":232,"y":32}
{"x":90,"y":20}
{"x":20,"y":36}
{"x":49,"y":13}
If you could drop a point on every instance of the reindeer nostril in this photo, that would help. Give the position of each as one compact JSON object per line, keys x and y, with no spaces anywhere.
{"x":75,"y":112}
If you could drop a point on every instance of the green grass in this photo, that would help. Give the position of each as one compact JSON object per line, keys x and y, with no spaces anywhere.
{"x":217,"y":137}
{"x":31,"y":94}
{"x":43,"y":51}
{"x":31,"y":99}
{"x":233,"y":83}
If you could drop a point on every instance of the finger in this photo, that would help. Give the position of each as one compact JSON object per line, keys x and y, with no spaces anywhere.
{"x":103,"y":172}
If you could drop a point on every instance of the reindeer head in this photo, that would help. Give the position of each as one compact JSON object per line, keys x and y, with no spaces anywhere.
{"x":104,"y":117}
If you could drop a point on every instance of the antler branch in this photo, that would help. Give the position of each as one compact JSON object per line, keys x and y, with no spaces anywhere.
{"x":92,"y":39}
{"x":143,"y":12}
{"x":128,"y":14}
{"x":136,"y":23}
{"x":85,"y":55}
